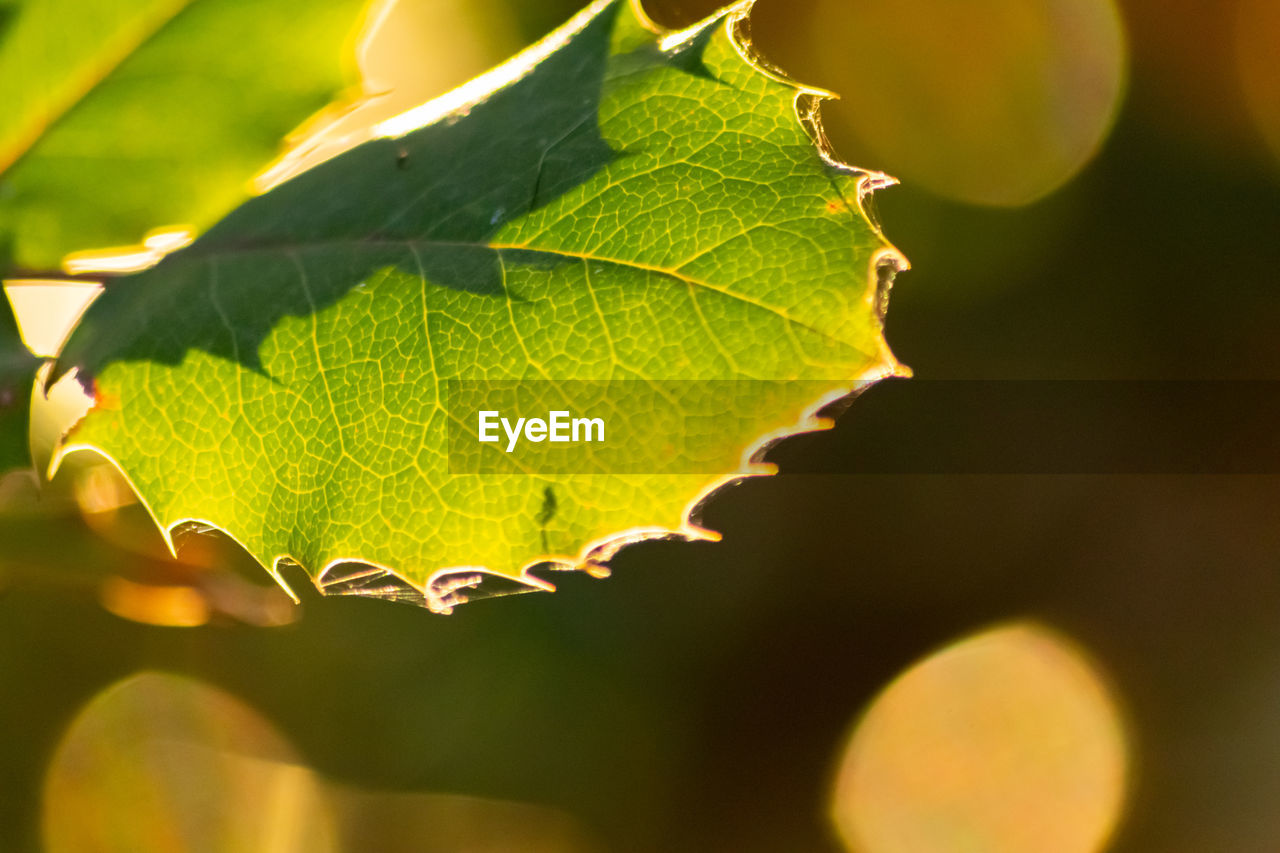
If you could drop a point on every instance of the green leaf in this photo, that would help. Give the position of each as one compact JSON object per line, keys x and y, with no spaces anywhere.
{"x":17,"y":374}
{"x":124,"y":116}
{"x":614,"y":204}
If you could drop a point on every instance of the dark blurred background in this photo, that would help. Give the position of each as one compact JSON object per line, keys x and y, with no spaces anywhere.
{"x":1077,"y":652}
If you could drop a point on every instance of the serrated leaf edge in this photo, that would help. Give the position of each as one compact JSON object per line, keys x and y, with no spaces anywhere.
{"x":438,"y":594}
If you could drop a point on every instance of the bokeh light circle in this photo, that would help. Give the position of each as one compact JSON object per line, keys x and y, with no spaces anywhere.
{"x":993,"y":102}
{"x":160,"y":762}
{"x":1005,"y":741}
{"x":1258,"y":59}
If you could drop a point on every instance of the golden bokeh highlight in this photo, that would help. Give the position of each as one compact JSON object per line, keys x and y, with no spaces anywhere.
{"x":995,"y":102}
{"x":100,"y":490}
{"x":407,"y":52}
{"x":158,"y":762}
{"x":1257,"y":50}
{"x":1003,"y":742}
{"x":153,"y":604}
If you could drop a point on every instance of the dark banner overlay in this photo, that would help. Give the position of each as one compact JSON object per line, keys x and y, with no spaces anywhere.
{"x":914,"y":426}
{"x":618,"y":427}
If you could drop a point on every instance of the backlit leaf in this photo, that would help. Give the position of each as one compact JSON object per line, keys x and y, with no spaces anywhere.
{"x":616,"y":205}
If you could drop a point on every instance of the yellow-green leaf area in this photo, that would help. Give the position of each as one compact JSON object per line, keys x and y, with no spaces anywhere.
{"x":126,"y":115}
{"x":624,"y":205}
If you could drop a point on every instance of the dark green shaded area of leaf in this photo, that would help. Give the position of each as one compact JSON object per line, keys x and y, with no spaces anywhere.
{"x":8,"y":11}
{"x":447,"y":186}
{"x":17,"y":372}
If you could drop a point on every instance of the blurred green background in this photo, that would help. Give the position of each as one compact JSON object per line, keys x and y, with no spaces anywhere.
{"x":1089,"y":191}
